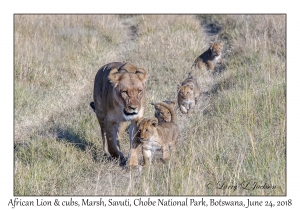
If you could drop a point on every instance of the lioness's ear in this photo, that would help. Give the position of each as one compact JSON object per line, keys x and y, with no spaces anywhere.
{"x":142,"y":75}
{"x":114,"y":76}
{"x":154,"y":121}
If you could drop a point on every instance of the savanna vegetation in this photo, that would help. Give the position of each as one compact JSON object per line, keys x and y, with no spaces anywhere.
{"x":237,"y":133}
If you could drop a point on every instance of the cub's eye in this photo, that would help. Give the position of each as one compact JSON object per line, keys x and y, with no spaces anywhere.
{"x":140,"y":91}
{"x":168,"y":112}
{"x":146,"y":130}
{"x":188,"y":93}
{"x":181,"y":93}
{"x":125,"y":92}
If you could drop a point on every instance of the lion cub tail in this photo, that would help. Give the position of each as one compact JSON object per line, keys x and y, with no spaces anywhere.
{"x":196,"y":62}
{"x":171,"y":109}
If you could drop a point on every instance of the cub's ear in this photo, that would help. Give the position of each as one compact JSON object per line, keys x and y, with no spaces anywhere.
{"x":114,"y":76}
{"x":178,"y":88}
{"x":191,"y":86}
{"x":172,"y":104}
{"x":154,"y":104}
{"x":211,"y":44}
{"x":142,"y":74}
{"x":154,"y":121}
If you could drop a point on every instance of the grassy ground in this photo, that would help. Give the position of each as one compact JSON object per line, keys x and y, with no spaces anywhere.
{"x":237,"y":134}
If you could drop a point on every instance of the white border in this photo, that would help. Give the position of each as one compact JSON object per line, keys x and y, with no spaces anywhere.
{"x":134,"y":6}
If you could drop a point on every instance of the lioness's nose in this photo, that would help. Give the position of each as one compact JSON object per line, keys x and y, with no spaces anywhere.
{"x":133,"y":107}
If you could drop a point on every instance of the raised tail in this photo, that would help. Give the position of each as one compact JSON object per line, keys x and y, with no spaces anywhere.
{"x":195,"y":63}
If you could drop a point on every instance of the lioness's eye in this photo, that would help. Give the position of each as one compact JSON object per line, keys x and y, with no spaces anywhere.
{"x":140,"y":91}
{"x":146,"y":130}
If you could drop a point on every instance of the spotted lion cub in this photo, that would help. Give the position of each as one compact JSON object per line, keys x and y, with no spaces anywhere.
{"x":188,"y":92}
{"x":158,"y":136}
{"x":162,"y":110}
{"x":210,"y":57}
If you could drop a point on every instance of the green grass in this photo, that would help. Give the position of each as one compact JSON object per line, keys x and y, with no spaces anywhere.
{"x":237,"y":133}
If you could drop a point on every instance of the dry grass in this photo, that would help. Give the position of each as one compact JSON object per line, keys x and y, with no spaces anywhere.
{"x":238,"y":132}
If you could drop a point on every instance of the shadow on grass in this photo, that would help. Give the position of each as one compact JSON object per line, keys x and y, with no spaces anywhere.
{"x":77,"y":140}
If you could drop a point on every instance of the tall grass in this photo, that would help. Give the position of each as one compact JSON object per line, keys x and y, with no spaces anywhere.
{"x":238,"y":132}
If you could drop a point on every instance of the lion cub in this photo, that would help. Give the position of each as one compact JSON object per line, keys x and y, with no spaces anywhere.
{"x":158,"y":136}
{"x":210,"y":57}
{"x":162,"y":113}
{"x":188,"y":92}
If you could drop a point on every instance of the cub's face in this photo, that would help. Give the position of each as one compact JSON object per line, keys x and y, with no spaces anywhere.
{"x":186,"y":92}
{"x":146,"y":128}
{"x":216,"y":48}
{"x":162,"y":113}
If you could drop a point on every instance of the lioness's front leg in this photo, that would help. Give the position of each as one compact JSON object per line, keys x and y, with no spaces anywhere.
{"x":113,"y":141}
{"x":134,"y":145}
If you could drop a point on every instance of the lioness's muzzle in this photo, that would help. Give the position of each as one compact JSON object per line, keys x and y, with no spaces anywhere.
{"x":130,"y":113}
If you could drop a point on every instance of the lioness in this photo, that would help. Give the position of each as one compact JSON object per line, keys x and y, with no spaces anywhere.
{"x":188,"y":92}
{"x":119,"y":96}
{"x":163,"y":113}
{"x":158,"y":136}
{"x":210,"y":57}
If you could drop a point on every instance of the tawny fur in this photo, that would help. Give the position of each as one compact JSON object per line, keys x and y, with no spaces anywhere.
{"x":163,"y":113}
{"x":188,"y":93}
{"x":158,"y":136}
{"x":119,"y":96}
{"x":210,"y":57}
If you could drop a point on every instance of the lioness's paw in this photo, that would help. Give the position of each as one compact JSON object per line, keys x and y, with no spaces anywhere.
{"x":123,"y":161}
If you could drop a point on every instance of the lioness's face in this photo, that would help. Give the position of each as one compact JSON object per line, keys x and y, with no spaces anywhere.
{"x":131,"y":94}
{"x":216,"y":49}
{"x":185,"y":92}
{"x":146,"y":128}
